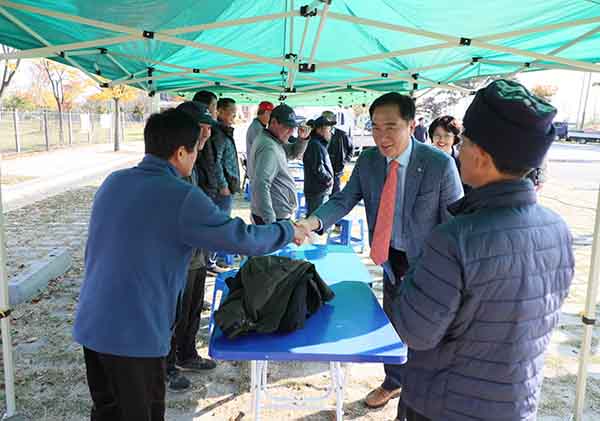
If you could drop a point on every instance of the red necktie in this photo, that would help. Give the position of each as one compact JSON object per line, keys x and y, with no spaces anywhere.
{"x":380,"y":248}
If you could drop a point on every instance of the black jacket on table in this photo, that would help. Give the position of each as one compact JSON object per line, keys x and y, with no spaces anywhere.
{"x":271,"y":294}
{"x":340,"y":150}
{"x":318,"y":171}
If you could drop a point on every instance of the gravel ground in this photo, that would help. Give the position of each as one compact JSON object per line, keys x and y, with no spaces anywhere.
{"x":50,"y":371}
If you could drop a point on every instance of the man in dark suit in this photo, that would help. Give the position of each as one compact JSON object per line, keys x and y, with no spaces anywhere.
{"x":406,"y":187}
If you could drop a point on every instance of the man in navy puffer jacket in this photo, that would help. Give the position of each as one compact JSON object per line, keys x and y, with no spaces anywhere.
{"x":478,"y":308}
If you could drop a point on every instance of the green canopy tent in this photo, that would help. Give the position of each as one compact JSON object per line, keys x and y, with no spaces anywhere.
{"x":301,"y":52}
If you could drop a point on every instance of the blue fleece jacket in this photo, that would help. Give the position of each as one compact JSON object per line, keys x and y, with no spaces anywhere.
{"x":145,"y":222}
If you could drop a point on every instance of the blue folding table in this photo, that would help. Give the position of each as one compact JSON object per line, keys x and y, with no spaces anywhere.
{"x":350,"y":328}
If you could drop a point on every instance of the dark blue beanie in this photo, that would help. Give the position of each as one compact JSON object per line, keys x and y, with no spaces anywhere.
{"x":510,"y":123}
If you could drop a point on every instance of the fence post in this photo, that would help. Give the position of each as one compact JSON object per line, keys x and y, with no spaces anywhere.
{"x":46,"y":130}
{"x":89,"y":133}
{"x":70,"y":127}
{"x":117,"y":131}
{"x":16,"y":127}
{"x":122,"y":126}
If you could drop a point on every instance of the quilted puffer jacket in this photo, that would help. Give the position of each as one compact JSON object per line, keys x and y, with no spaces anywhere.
{"x":478,"y":308}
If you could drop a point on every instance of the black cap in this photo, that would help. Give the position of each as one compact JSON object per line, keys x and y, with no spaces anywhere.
{"x":510,"y":123}
{"x":198,"y":111}
{"x":322,"y":121}
{"x":285,"y":115}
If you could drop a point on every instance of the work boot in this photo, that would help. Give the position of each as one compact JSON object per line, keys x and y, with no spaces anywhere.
{"x":177,"y":382}
{"x":198,"y":364}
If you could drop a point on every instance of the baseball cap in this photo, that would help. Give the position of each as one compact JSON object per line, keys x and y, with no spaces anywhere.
{"x":330,"y":115}
{"x":322,"y":121}
{"x":198,"y":111}
{"x":265,"y":106}
{"x":286,"y":116}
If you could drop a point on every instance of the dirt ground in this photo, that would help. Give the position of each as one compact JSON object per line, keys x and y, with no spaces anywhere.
{"x":50,"y":373}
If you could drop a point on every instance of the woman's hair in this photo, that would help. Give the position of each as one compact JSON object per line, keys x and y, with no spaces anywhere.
{"x":449,"y":124}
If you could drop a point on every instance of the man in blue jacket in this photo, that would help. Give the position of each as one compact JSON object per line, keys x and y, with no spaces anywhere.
{"x":478,"y":308}
{"x":144,"y":225}
{"x":318,"y":171}
{"x":406,"y":187}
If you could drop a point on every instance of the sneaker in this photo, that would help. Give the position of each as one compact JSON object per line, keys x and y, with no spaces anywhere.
{"x":198,"y":364}
{"x":177,"y":382}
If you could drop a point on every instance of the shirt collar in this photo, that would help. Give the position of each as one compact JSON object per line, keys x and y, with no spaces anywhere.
{"x":153,"y":162}
{"x":404,"y":158}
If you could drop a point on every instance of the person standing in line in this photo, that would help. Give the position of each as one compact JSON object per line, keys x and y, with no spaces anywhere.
{"x":340,"y":151}
{"x":183,"y":353}
{"x":421,"y":131}
{"x":274,"y":194}
{"x":318,"y":171}
{"x":259,"y":123}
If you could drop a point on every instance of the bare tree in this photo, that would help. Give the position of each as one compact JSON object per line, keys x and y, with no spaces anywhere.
{"x":10,"y":68}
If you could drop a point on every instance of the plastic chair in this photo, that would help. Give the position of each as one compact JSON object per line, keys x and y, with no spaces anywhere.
{"x":226,"y":257}
{"x":345,"y":236}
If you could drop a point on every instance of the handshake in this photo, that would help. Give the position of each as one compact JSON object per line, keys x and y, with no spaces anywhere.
{"x":304,"y":227}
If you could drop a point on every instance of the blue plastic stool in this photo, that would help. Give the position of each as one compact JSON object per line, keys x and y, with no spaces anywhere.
{"x":345,"y":236}
{"x":226,"y":257}
{"x":248,"y":192}
{"x":301,"y":210}
{"x":220,"y":285}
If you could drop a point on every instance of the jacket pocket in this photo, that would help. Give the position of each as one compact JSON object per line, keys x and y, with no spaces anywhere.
{"x":426,"y":206}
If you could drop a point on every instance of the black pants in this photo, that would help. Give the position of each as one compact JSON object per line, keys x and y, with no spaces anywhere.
{"x":409,"y":413}
{"x":125,"y":388}
{"x":313,"y":201}
{"x":183,"y":343}
{"x":399,"y":263}
{"x":259,"y":221}
{"x":336,"y":182}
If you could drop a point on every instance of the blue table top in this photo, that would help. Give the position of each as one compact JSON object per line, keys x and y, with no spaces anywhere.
{"x":335,"y":263}
{"x":350,"y":328}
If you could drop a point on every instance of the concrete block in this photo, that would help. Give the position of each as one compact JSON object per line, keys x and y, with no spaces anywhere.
{"x":31,"y":282}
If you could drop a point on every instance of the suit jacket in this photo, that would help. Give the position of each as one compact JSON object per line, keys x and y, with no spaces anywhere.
{"x":432,"y":183}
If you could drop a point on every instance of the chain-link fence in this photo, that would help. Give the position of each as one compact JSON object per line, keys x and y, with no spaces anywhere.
{"x":23,"y":131}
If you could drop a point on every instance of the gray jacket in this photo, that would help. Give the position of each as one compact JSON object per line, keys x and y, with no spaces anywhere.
{"x":253,"y":131}
{"x":273,"y":187}
{"x":432,"y":183}
{"x":478,"y":308}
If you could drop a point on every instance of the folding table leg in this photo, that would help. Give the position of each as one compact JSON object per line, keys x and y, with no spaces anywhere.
{"x":337,"y":375}
{"x":258,"y":378}
{"x":254,"y":388}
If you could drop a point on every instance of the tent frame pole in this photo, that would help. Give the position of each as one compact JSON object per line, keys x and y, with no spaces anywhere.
{"x":319,"y":31}
{"x":293,"y":70}
{"x":589,"y":318}
{"x":41,"y":39}
{"x":7,"y":351}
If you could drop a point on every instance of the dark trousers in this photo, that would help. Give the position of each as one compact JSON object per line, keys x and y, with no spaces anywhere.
{"x":259,"y":221}
{"x":336,"y":182}
{"x":405,"y":413}
{"x":399,"y":263}
{"x":313,"y":201}
{"x":183,"y":342}
{"x":125,"y":388}
{"x":225,"y":203}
